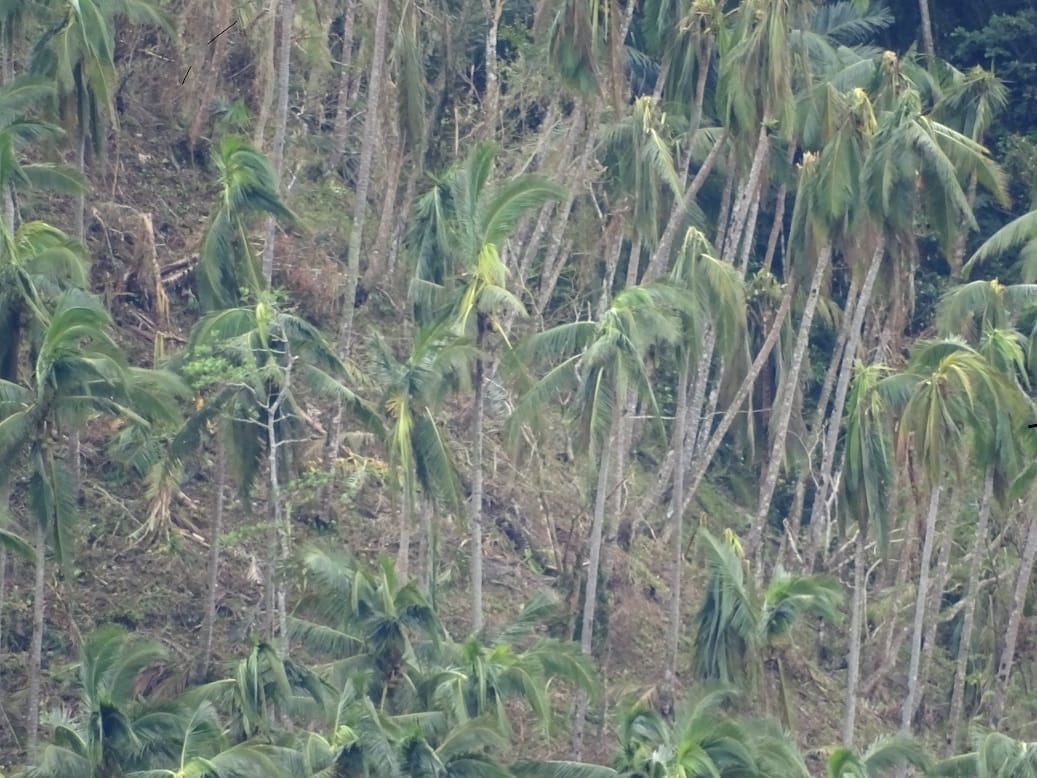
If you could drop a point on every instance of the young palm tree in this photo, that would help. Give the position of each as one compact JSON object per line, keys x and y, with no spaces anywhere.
{"x":460,"y":228}
{"x":996,"y":755}
{"x":412,"y":394}
{"x":740,"y":631}
{"x":882,"y":756}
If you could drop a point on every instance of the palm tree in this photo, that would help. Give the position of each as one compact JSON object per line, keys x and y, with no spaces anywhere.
{"x":226,"y":260}
{"x":740,"y":631}
{"x":413,"y":392}
{"x":366,"y":621}
{"x":517,"y":664}
{"x":606,"y":361}
{"x":882,"y":756}
{"x":460,"y":227}
{"x":78,"y":55}
{"x":78,"y":371}
{"x":996,"y":755}
{"x":17,"y":130}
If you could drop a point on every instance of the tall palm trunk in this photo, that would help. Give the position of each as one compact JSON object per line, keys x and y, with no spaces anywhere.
{"x":209,"y":621}
{"x":363,"y":181}
{"x":265,"y":73}
{"x":1015,"y":619}
{"x":780,"y":421}
{"x":492,"y":100}
{"x":477,"y":489}
{"x":703,"y":457}
{"x":590,"y":598}
{"x":735,"y":234}
{"x":927,"y":34}
{"x":280,"y":128}
{"x":979,"y":546}
{"x":403,"y":553}
{"x":32,"y":719}
{"x":934,"y":604}
{"x":818,"y":521}
{"x":918,"y":628}
{"x":676,"y":536}
{"x":853,"y":656}
{"x":356,"y":233}
{"x":340,"y":130}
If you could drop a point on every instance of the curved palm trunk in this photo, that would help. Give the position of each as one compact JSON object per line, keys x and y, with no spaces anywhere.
{"x":209,"y":622}
{"x":591,"y":590}
{"x":853,"y":657}
{"x":32,"y":718}
{"x":969,"y":617}
{"x":913,"y":690}
{"x":788,"y":398}
{"x":281,"y":120}
{"x":1015,"y":619}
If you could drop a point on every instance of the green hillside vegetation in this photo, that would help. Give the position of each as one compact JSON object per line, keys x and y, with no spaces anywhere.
{"x":517,"y":388}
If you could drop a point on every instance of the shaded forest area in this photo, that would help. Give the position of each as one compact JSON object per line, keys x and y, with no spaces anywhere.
{"x":577,"y":388}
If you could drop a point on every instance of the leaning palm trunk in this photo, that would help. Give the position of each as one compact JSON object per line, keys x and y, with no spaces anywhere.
{"x":403,"y":553}
{"x":491,"y":106}
{"x":913,"y":690}
{"x":209,"y":622}
{"x":979,"y":545}
{"x":818,"y":521}
{"x":735,"y":234}
{"x":933,"y":607}
{"x":591,"y":589}
{"x":340,"y":130}
{"x":700,"y":463}
{"x":853,"y":657}
{"x":1015,"y":618}
{"x":787,"y":392}
{"x":265,"y":75}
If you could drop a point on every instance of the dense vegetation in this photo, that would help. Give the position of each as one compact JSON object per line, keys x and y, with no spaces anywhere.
{"x":679,"y":355}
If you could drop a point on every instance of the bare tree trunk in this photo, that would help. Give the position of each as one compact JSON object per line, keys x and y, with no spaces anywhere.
{"x":726,"y":203}
{"x":780,"y":421}
{"x":32,"y":718}
{"x":395,"y":156}
{"x":979,"y":546}
{"x":591,"y":589}
{"x":280,"y":129}
{"x":913,"y":690}
{"x":209,"y":621}
{"x":934,"y":605}
{"x":750,"y":190}
{"x":1015,"y":619}
{"x":853,"y":657}
{"x":340,"y":131}
{"x":265,"y":72}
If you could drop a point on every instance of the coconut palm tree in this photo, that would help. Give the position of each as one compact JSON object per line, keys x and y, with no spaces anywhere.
{"x":996,"y":755}
{"x":882,"y":756}
{"x":78,"y":371}
{"x":604,"y":362}
{"x":16,"y":131}
{"x":77,"y":55}
{"x":740,"y":631}
{"x":226,"y":260}
{"x":459,"y":230}
{"x":413,"y":392}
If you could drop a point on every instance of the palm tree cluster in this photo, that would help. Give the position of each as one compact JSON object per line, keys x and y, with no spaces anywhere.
{"x":706,"y":267}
